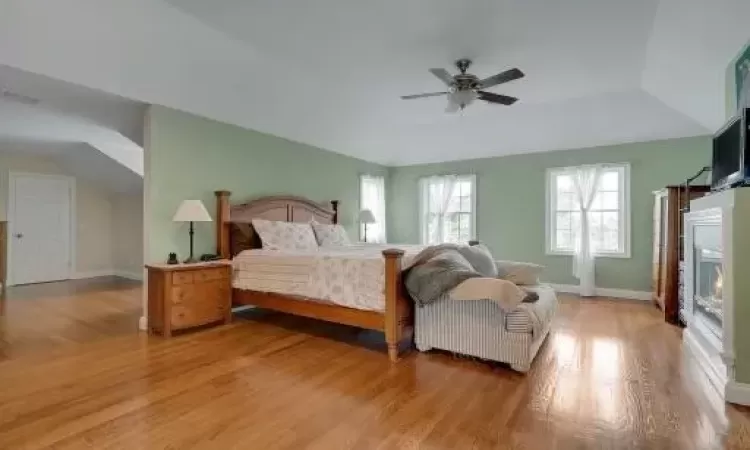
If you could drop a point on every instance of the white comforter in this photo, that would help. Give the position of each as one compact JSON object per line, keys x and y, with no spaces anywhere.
{"x":352,"y":276}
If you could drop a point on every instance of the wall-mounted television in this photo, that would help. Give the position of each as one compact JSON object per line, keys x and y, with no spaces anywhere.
{"x":730,"y":154}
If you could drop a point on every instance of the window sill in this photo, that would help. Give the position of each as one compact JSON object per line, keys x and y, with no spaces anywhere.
{"x":598,"y":255}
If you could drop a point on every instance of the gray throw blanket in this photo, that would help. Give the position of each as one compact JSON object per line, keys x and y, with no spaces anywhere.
{"x":435,"y":271}
{"x":438,"y":269}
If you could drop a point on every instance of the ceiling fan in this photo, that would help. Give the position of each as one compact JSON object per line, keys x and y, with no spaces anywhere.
{"x":464,"y":88}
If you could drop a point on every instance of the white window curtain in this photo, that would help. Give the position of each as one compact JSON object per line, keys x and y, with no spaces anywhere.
{"x":372,"y":197}
{"x":436,"y":193}
{"x":585,"y":181}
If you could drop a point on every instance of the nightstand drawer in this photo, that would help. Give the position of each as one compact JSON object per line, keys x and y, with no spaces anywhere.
{"x":199,"y":303}
{"x":183,"y":295}
{"x":183,"y":317}
{"x":219,"y":273}
{"x":182,"y":277}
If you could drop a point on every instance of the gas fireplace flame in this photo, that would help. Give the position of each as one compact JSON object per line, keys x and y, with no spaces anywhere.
{"x":718,"y":284}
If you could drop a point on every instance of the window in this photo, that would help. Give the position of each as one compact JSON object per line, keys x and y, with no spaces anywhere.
{"x":448,"y":209}
{"x":372,"y":197}
{"x":609,"y":213}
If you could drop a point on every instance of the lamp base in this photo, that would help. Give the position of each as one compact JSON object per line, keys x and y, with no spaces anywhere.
{"x":190,"y":261}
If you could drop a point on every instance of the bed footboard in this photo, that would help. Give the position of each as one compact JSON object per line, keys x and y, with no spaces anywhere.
{"x":398,"y":319}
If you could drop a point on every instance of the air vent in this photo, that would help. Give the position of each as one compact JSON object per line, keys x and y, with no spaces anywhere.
{"x":18,"y":98}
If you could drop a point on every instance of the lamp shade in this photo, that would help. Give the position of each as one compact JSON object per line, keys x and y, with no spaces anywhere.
{"x":366,"y":216}
{"x":191,"y":211}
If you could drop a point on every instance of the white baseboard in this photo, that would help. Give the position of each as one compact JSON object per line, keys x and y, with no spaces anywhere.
{"x":107,"y":273}
{"x":92,"y":274}
{"x":738,"y":393}
{"x":129,"y":275}
{"x":604,"y":292}
{"x":143,"y":323}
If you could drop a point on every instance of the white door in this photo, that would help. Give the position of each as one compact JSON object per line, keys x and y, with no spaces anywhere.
{"x":39,"y":215}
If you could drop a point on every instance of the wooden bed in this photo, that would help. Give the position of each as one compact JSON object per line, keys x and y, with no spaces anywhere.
{"x":234,"y":233}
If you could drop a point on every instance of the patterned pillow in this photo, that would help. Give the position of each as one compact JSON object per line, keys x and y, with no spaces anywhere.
{"x":285,"y":235}
{"x":330,"y":235}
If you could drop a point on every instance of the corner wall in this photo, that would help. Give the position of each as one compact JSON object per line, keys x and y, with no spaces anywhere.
{"x":190,"y":157}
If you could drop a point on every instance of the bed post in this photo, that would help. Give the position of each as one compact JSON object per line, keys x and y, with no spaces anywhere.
{"x":222,"y":224}
{"x":395,"y":303}
{"x":335,"y":206}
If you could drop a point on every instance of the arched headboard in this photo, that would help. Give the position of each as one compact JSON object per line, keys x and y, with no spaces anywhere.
{"x":234,"y":231}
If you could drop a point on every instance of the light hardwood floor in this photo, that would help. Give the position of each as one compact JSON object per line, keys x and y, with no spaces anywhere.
{"x":74,"y":374}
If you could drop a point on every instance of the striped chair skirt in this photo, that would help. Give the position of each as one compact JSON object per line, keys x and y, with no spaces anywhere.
{"x":482,"y":329}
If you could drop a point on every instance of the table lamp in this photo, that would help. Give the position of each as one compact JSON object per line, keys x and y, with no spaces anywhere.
{"x":191,"y":211}
{"x":366,"y":217}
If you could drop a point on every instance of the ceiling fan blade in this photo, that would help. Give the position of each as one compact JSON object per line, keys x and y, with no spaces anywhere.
{"x":429,"y":94}
{"x":444,"y":76}
{"x":496,"y":98}
{"x":503,"y":77}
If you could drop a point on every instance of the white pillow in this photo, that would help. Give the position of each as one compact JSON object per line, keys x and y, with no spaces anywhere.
{"x":521,"y":273}
{"x":285,"y":235}
{"x":505,"y":293}
{"x":330,"y":235}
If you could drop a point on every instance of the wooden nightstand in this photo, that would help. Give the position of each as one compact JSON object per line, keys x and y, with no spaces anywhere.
{"x":188,"y":295}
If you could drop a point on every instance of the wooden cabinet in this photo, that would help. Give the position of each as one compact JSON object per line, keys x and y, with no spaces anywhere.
{"x":668,"y":234}
{"x":188,"y":295}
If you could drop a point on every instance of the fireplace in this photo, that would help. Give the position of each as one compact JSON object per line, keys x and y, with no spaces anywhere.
{"x":712,"y":250}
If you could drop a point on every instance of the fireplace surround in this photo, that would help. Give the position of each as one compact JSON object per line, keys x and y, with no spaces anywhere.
{"x":716,"y":286}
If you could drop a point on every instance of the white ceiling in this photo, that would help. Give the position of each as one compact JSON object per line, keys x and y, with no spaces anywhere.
{"x":330,"y":72}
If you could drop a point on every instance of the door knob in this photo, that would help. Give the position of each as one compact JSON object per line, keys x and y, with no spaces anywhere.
{"x":19,"y":235}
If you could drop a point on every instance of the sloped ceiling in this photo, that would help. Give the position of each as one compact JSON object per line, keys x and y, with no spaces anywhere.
{"x":330,"y":73}
{"x":93,"y":135}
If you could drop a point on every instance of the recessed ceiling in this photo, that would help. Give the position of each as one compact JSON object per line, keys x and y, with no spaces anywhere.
{"x":330,"y":73}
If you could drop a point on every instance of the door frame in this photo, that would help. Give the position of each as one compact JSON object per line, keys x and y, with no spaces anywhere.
{"x":11,"y":212}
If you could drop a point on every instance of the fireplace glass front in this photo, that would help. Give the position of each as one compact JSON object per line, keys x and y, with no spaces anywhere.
{"x":709,"y":277}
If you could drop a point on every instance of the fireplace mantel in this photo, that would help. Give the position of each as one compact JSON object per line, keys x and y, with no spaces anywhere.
{"x":715,"y":230}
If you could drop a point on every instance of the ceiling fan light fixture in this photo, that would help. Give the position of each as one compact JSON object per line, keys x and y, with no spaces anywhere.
{"x":463,"y":97}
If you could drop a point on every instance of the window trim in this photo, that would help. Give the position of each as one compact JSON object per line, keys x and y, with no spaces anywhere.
{"x":550,"y":203}
{"x":423,"y":203}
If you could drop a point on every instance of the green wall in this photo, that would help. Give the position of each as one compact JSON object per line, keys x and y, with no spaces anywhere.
{"x":189,"y":157}
{"x":511,"y":203}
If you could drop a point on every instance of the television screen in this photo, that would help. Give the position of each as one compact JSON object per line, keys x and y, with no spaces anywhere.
{"x":726,"y":157}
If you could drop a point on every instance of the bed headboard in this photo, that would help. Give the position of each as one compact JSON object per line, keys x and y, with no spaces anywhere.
{"x":234,"y":231}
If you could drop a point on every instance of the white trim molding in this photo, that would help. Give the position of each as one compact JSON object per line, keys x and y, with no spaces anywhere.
{"x":129,"y":275}
{"x":605,"y":292}
{"x":107,"y":273}
{"x":738,"y":393}
{"x":91,"y":274}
